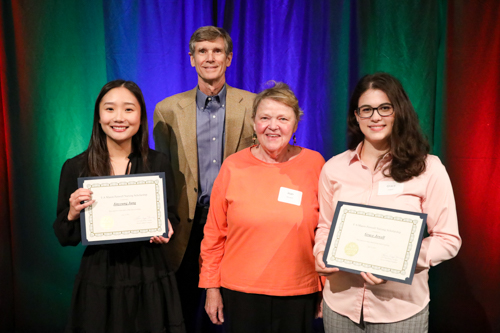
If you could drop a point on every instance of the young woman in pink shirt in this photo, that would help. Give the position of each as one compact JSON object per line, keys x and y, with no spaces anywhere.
{"x":386,"y":145}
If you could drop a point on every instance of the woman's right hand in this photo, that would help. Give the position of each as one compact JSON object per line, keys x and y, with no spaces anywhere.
{"x":321,"y":268}
{"x":75,"y":202}
{"x":213,"y":306}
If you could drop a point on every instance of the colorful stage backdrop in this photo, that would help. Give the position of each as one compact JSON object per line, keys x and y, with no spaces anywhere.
{"x":56,"y":55}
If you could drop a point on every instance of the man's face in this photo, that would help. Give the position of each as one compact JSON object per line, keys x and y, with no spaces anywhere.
{"x":210,"y":60}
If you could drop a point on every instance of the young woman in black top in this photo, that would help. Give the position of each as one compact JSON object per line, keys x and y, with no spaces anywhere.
{"x":125,"y":287}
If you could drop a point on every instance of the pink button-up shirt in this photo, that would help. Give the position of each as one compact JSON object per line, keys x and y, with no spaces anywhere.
{"x":345,"y":178}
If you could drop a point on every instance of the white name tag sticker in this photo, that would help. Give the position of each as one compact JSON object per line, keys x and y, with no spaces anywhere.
{"x":390,"y":188}
{"x":287,"y":195}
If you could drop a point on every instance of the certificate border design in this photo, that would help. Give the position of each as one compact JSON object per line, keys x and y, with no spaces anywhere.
{"x":403,"y":270}
{"x":126,"y":232}
{"x":407,"y":260}
{"x":161,"y":175}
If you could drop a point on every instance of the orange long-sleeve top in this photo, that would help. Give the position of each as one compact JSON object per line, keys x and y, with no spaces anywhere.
{"x":257,"y":241}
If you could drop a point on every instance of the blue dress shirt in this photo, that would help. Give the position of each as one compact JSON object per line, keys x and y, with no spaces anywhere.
{"x":210,"y":117}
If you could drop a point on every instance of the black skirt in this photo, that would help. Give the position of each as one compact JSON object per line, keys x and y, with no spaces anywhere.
{"x":125,"y":287}
{"x":250,"y":313}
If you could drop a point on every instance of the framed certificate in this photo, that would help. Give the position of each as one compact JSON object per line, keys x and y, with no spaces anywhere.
{"x":384,"y":242}
{"x":127,"y":208}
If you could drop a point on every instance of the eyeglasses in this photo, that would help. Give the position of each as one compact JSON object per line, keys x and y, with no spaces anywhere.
{"x":366,"y":111}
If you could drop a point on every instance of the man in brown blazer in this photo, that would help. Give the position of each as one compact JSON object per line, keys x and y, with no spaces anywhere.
{"x":198,"y":129}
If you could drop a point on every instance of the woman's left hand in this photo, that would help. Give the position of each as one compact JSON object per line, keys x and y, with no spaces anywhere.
{"x":161,"y":239}
{"x":319,"y":306}
{"x":371,"y":279}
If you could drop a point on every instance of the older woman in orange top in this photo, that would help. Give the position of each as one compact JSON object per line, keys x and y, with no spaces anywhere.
{"x":257,"y":261}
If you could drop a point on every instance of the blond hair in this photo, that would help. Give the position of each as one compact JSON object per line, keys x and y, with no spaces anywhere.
{"x":279,"y":92}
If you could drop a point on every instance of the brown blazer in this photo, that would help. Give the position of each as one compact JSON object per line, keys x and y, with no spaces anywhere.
{"x":175,"y":135}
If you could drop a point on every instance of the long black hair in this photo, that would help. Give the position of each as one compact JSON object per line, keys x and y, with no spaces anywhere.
{"x":97,"y":154}
{"x":408,"y":146}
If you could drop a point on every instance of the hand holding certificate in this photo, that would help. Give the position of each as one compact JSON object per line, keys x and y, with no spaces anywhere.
{"x":381,"y":241}
{"x":126,"y":209}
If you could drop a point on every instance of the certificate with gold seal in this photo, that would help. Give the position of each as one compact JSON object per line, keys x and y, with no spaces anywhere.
{"x":127,"y":208}
{"x":382,"y":241}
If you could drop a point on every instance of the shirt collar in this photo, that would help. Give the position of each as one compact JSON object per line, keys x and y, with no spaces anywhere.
{"x":355,"y":155}
{"x":201,"y":98}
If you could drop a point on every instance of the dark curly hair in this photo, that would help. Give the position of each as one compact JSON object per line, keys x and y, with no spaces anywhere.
{"x":97,"y":155}
{"x":408,"y":146}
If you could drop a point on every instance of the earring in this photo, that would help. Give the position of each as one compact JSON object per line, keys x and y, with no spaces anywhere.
{"x":254,"y":137}
{"x":294,"y":139}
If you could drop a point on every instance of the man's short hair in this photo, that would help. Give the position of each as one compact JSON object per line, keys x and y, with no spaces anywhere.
{"x":211,"y":33}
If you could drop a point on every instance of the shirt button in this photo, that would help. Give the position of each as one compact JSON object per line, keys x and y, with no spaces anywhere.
{"x":213,"y":139}
{"x":210,"y":98}
{"x":215,"y":161}
{"x":213,"y":116}
{"x":222,"y":105}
